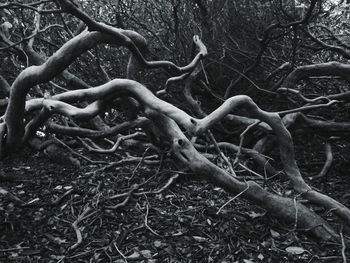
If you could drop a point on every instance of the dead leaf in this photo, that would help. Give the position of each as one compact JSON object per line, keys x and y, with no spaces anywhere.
{"x":274,"y":233}
{"x":200,"y":239}
{"x":134,"y":255}
{"x":33,"y":201}
{"x":255,"y":215}
{"x":3,"y":191}
{"x":158,"y":243}
{"x":146,"y":253}
{"x":295,"y":250}
{"x":209,"y":222}
{"x":7,"y":12}
{"x":56,"y":240}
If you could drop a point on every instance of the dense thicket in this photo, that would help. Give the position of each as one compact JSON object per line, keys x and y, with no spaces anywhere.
{"x":218,"y":85}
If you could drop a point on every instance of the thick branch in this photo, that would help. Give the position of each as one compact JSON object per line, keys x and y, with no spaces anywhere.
{"x":69,"y":7}
{"x":278,"y":206}
{"x":318,"y":70}
{"x":194,"y":126}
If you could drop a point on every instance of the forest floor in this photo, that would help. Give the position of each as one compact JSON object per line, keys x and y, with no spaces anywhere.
{"x":48,"y":205}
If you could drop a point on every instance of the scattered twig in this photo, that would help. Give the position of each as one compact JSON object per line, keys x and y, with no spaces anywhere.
{"x":205,"y":73}
{"x":58,"y":200}
{"x":77,"y":230}
{"x":343,"y":245}
{"x":167,"y":185}
{"x":161,"y":162}
{"x":119,"y":141}
{"x":160,"y":190}
{"x":12,"y":197}
{"x":242,"y":136}
{"x":146,"y":222}
{"x":126,"y":200}
{"x":329,"y":160}
{"x":120,"y":253}
{"x":76,"y":153}
{"x":147,"y":159}
{"x":233,"y":198}
{"x":13,"y":249}
{"x":221,"y":154}
{"x":296,"y":213}
{"x":307,"y":108}
{"x":251,"y":171}
{"x":138,"y":164}
{"x":301,"y":96}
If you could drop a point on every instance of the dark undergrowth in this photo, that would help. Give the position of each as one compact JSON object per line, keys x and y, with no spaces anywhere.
{"x":187,"y":222}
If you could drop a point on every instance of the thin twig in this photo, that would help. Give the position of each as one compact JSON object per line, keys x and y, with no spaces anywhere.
{"x":242,"y":136}
{"x":119,"y":141}
{"x":76,"y":153}
{"x":221,"y":154}
{"x":343,"y":245}
{"x":166,"y":186}
{"x":138,"y":165}
{"x":251,"y":171}
{"x":148,"y":159}
{"x":146,"y":223}
{"x":327,"y":165}
{"x":296,"y":212}
{"x":58,"y":200}
{"x":11,"y":196}
{"x":233,"y":198}
{"x":163,"y":188}
{"x":307,"y":108}
{"x":13,"y":249}
{"x":120,"y":253}
{"x":126,"y":200}
{"x":76,"y":228}
{"x":205,"y":73}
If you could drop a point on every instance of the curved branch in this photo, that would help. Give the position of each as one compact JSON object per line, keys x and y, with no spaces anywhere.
{"x":82,"y":132}
{"x":256,"y":156}
{"x":69,"y":7}
{"x":301,"y":96}
{"x":116,"y":145}
{"x":332,"y":68}
{"x":38,"y":74}
{"x":279,"y":206}
{"x":150,"y":102}
{"x":64,"y":57}
{"x":66,"y":109}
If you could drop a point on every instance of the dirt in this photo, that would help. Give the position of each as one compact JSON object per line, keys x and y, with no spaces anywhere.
{"x":187,"y":222}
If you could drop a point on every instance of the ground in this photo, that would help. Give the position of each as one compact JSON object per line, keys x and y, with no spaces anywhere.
{"x":187,"y":222}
